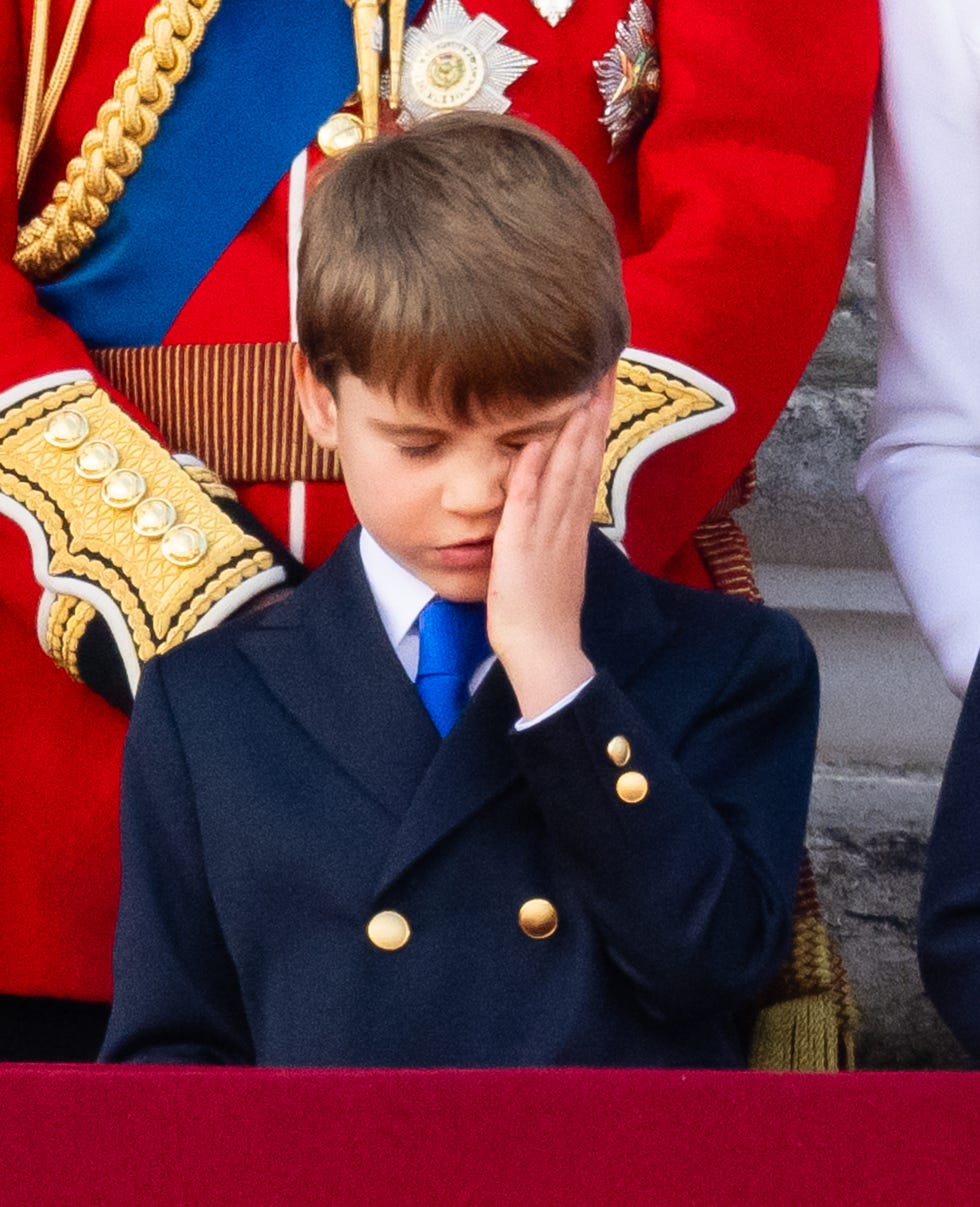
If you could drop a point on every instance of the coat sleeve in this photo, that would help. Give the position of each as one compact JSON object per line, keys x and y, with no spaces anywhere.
{"x":748,"y":179}
{"x":687,"y":851}
{"x":949,"y":913}
{"x":921,"y":471}
{"x":176,"y":998}
{"x":76,"y":574}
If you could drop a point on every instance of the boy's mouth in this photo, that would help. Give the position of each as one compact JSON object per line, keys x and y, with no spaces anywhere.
{"x":467,"y":554}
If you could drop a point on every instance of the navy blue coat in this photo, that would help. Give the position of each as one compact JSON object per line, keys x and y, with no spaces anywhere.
{"x":949,"y":913}
{"x":283,"y":784}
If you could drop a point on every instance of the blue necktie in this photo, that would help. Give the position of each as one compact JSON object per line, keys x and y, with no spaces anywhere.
{"x":452,"y":644}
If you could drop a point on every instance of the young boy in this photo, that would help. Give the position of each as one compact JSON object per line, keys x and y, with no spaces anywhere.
{"x":593,"y":859}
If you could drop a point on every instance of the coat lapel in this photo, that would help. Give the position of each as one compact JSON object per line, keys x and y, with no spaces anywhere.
{"x":622,"y":628}
{"x":473,"y":765}
{"x":326,"y":658}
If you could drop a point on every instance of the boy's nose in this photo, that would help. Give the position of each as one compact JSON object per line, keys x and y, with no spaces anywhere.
{"x":477,"y":489}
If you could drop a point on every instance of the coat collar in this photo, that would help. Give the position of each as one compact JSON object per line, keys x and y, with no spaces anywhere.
{"x":325,"y":655}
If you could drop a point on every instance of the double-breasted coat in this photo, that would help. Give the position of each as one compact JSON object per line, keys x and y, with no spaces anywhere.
{"x":311,"y":877}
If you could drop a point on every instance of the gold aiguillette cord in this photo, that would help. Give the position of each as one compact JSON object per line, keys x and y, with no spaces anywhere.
{"x":366,"y":16}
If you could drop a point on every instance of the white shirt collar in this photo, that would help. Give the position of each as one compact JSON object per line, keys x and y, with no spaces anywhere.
{"x":398,"y":594}
{"x":399,"y":597}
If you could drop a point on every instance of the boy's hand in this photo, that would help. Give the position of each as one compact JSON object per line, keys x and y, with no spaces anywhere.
{"x":537,"y":576}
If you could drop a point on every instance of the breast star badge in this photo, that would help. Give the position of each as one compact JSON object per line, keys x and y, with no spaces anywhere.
{"x":629,"y":77}
{"x":553,"y":10}
{"x":453,"y":61}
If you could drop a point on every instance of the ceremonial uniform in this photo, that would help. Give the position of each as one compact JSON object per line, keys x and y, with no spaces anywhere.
{"x":610,"y":886}
{"x":921,"y":470}
{"x":733,"y":190}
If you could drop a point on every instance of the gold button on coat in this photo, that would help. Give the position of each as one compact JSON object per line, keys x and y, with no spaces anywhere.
{"x":632,"y":787}
{"x":619,"y":751}
{"x":388,"y":930}
{"x":95,"y":459}
{"x":538,"y":918}
{"x":183,"y":545}
{"x":123,"y":489}
{"x":66,"y":428}
{"x":340,"y":133}
{"x":154,"y":516}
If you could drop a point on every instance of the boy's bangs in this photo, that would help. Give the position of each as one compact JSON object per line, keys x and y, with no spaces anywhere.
{"x":472,"y":346}
{"x":461,"y":370}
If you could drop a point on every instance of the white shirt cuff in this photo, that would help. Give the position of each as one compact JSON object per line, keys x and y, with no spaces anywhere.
{"x":527,"y":722}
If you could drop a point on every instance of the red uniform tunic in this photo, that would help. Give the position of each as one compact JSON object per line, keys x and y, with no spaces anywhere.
{"x":734,"y":217}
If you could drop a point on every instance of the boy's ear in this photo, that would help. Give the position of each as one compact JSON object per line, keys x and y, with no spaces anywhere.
{"x":316,"y":401}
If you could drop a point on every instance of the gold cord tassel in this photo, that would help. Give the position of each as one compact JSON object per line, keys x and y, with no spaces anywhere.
{"x":396,"y":40}
{"x":366,"y":16}
{"x":368,"y":43}
{"x":39,"y":109}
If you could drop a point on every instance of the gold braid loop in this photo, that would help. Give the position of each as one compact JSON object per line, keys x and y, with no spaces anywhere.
{"x":647,"y":400}
{"x":67,"y":621}
{"x":113,"y":149}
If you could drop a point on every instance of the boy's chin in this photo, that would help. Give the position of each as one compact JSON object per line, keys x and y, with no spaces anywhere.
{"x":460,"y":588}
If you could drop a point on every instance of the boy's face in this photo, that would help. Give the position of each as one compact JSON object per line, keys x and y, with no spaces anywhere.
{"x":429,"y":489}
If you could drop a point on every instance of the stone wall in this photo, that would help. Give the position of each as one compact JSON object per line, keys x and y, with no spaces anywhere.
{"x":887,"y":716}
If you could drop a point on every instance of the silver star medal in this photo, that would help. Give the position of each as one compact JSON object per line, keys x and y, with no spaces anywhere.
{"x":552,"y":10}
{"x":629,"y":76}
{"x":454,"y":61}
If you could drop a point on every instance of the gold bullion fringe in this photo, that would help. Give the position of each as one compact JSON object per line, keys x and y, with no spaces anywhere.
{"x":810,"y":1019}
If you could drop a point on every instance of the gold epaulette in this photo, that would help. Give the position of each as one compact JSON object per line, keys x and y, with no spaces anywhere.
{"x":119,"y":529}
{"x":657,"y":402}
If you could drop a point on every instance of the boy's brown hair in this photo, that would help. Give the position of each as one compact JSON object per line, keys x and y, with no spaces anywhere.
{"x":470,"y":260}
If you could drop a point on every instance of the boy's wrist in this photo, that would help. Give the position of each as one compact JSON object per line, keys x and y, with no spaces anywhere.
{"x":543,"y":676}
{"x":524,"y":723}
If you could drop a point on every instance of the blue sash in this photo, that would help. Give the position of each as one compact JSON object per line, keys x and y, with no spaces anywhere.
{"x":262,"y":81}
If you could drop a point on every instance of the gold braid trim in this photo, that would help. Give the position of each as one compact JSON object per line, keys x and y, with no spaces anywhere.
{"x":92,"y":542}
{"x":67,"y":621}
{"x":209,"y":482}
{"x":647,"y":400}
{"x":113,"y":150}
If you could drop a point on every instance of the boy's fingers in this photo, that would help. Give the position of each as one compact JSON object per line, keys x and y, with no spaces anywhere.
{"x":525,"y":476}
{"x":600,"y":414}
{"x":524,"y":484}
{"x":573,"y":468}
{"x":554,"y":489}
{"x":567,"y":450}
